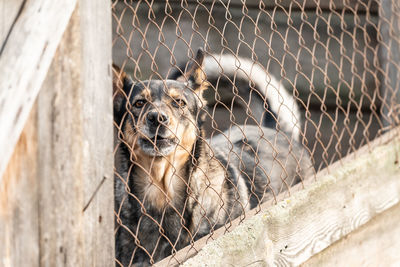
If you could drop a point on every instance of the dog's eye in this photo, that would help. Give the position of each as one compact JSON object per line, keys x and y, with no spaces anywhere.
{"x":179,"y":103}
{"x":139,"y":103}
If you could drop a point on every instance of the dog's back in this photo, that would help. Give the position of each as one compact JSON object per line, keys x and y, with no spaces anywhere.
{"x":263,"y":153}
{"x":257,"y":163}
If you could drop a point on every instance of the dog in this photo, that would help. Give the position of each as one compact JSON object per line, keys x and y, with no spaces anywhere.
{"x":173,"y":185}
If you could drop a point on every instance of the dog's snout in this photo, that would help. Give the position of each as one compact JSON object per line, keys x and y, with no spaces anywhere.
{"x":157,"y":117}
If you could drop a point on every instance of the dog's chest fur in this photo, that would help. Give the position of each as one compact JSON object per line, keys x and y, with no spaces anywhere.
{"x":191,"y":196}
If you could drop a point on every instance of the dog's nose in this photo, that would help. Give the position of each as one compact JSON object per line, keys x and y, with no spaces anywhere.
{"x":157,"y":117}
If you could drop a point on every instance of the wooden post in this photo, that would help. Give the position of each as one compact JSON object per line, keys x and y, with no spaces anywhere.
{"x":56,"y":194}
{"x":76,"y":145}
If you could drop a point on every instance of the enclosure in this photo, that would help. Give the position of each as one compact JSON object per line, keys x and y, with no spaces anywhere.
{"x":61,"y":170}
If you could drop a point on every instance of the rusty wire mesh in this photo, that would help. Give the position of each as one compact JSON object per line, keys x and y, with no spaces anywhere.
{"x":336,"y":60}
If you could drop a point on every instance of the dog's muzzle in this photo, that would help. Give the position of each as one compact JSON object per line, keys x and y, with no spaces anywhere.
{"x":158,"y":141}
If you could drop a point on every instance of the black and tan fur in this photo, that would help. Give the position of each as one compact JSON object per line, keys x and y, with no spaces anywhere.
{"x":173,"y":185}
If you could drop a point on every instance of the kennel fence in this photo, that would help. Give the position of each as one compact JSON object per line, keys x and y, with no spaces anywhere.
{"x":54,"y":219}
{"x":337,"y":59}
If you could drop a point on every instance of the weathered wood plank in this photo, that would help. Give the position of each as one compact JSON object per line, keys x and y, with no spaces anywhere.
{"x":98,"y":131}
{"x":340,"y":201}
{"x":76,"y":144}
{"x":60,"y":167}
{"x":24,"y":61}
{"x":19,"y":229}
{"x":374,"y":244}
{"x":8,"y":13}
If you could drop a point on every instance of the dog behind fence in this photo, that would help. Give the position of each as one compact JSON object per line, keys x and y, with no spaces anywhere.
{"x":174,"y":185}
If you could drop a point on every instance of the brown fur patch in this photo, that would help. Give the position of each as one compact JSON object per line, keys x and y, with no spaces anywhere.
{"x":182,"y":79}
{"x":118,"y":80}
{"x":201,"y":80}
{"x":196,"y":71}
{"x":131,"y":137}
{"x":146,"y":93}
{"x":161,"y":177}
{"x":175,"y":93}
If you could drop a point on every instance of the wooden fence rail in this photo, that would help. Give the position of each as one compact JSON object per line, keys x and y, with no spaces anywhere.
{"x":340,"y":201}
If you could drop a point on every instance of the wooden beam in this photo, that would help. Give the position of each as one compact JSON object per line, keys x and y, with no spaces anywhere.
{"x":25,"y":57}
{"x":343,"y":198}
{"x":76,"y":145}
{"x":19,"y":229}
{"x":374,"y":244}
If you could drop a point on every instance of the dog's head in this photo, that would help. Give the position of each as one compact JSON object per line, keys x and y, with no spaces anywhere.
{"x":158,"y":117}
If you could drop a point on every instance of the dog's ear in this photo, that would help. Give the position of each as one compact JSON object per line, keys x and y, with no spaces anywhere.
{"x":122,"y":84}
{"x":195,"y":75}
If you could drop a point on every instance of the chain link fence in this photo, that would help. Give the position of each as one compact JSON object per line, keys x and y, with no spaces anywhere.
{"x":277,"y":92}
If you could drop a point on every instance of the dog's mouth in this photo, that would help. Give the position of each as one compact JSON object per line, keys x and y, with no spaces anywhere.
{"x":158,"y":140}
{"x":157,"y":145}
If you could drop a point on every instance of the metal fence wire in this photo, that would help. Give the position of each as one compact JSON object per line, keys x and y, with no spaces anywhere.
{"x":221,"y":106}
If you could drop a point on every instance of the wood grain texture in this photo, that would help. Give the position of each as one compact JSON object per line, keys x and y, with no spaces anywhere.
{"x":76,"y":143}
{"x":8,"y":13}
{"x":376,"y":243}
{"x":60,"y":141}
{"x":98,"y":132}
{"x":19,"y":229}
{"x":295,"y":229}
{"x":24,"y":61}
